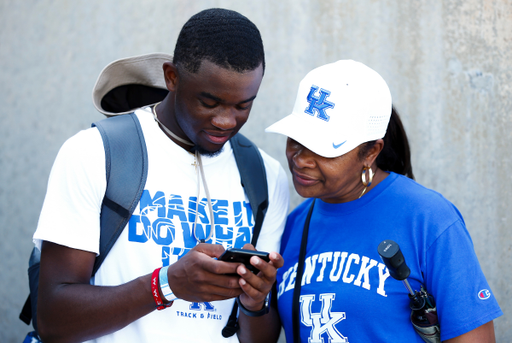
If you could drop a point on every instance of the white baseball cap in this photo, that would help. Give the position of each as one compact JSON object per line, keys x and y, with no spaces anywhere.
{"x":338,"y":107}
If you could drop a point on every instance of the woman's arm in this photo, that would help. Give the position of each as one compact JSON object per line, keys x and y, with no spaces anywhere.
{"x":482,"y":334}
{"x":265,"y":328}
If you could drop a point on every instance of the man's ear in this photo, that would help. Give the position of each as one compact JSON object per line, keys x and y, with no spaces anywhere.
{"x":170,"y":75}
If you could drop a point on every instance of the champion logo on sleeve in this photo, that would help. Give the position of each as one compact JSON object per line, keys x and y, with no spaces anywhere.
{"x":484,"y":294}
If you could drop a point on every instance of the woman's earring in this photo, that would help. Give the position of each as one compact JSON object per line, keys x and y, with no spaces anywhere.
{"x":366,"y":178}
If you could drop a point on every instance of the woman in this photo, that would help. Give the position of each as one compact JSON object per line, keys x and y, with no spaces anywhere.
{"x":344,"y":161}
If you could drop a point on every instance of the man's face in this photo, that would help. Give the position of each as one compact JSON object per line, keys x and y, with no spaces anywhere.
{"x":212,"y":105}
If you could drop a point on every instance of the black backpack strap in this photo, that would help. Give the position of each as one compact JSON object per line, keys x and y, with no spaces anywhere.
{"x":29,"y":311}
{"x":254,"y":180}
{"x":126,"y":165}
{"x":26,"y":311}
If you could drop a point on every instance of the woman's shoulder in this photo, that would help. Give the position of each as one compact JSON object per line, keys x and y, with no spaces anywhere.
{"x":419,"y":198}
{"x":301,"y":210}
{"x":295,"y":220}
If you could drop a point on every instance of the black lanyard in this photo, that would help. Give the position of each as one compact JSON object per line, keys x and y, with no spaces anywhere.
{"x":298,"y":278}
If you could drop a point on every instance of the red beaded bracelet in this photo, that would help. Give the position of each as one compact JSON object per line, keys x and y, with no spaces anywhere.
{"x":156,"y":294}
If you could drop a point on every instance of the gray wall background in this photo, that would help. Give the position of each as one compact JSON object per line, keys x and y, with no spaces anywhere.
{"x":448,"y":64}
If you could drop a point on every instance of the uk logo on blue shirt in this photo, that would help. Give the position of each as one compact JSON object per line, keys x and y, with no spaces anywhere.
{"x":319,"y":103}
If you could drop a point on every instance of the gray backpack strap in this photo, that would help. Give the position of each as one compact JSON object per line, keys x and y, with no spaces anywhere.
{"x":126,"y":164}
{"x":254,"y":180}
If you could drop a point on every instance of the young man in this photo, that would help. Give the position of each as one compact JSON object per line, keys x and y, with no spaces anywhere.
{"x":192,"y":195}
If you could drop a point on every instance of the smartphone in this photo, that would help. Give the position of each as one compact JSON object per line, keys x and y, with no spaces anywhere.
{"x":243,"y":256}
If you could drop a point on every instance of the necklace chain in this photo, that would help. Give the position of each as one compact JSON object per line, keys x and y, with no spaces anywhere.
{"x":200,"y":175}
{"x":167,"y":130}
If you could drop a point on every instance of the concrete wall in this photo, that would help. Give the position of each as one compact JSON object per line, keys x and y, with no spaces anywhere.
{"x":448,"y":63}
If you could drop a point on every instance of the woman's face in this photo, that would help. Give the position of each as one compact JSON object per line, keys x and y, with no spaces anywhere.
{"x":334,"y":180}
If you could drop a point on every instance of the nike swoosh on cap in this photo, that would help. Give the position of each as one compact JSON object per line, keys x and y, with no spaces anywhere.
{"x":336,"y":146}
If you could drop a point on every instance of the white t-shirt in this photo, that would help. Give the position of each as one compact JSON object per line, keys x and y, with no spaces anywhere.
{"x":160,"y":229}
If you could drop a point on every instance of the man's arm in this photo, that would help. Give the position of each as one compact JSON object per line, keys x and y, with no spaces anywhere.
{"x":70,"y":309}
{"x":482,"y":334}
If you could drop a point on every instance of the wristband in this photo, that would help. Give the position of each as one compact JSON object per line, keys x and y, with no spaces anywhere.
{"x":167,"y":293}
{"x":263,"y":311}
{"x":154,"y":290}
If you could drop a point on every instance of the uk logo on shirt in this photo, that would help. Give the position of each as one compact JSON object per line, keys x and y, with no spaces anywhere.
{"x":323,"y":322}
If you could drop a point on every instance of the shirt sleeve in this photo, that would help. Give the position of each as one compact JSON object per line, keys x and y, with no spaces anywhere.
{"x":463,"y":296}
{"x":70,"y":215}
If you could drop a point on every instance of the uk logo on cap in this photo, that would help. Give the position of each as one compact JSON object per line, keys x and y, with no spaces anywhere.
{"x":319,"y":103}
{"x":484,"y":294}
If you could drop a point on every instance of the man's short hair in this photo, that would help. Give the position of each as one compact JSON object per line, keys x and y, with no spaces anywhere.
{"x":221,"y":36}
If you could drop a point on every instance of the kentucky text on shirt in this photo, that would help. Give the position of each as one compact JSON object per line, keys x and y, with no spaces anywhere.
{"x":338,"y":267}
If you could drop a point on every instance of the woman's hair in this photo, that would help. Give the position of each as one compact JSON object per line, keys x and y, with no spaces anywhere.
{"x":396,"y":155}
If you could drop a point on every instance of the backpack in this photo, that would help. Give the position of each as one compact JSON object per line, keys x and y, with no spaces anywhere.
{"x":126,"y":164}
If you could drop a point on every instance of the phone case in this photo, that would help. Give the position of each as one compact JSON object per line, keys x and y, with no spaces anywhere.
{"x":243,"y":256}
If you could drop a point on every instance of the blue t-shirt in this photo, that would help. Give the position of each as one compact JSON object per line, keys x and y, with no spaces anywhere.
{"x":347,"y":294}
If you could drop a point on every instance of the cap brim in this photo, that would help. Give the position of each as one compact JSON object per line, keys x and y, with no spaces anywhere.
{"x":144,"y":70}
{"x":306,"y":131}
